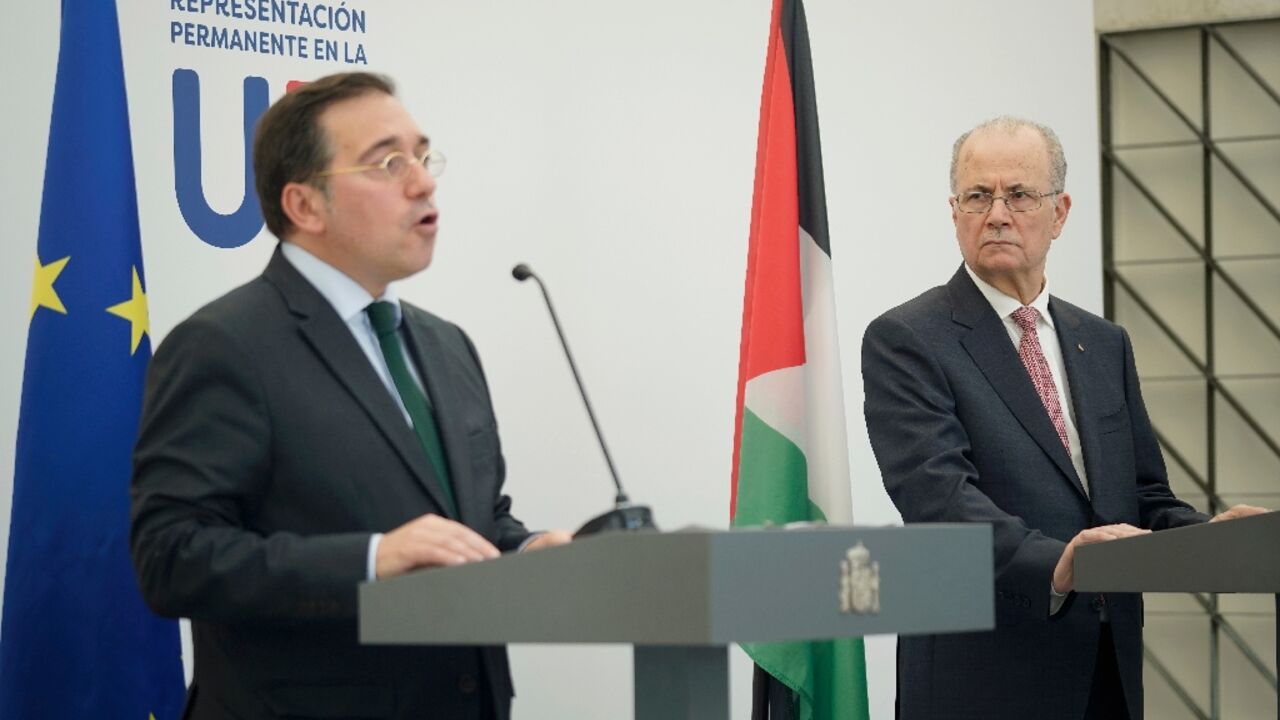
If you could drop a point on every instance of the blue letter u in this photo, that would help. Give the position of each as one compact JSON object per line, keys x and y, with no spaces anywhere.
{"x":224,"y":231}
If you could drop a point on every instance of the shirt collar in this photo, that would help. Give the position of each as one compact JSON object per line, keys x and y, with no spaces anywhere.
{"x":344,"y":294}
{"x":1005,"y":305}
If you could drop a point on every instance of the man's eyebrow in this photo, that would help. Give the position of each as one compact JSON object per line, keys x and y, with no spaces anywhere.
{"x":389,"y":143}
{"x":385,"y":144}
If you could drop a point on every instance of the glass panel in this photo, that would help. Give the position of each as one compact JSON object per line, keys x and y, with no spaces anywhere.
{"x":1232,"y":604}
{"x":1159,"y":702}
{"x":1260,"y":280}
{"x":1157,"y":603}
{"x":1140,"y":232}
{"x":1239,"y":106}
{"x":1268,"y":499}
{"x":1177,"y":412}
{"x":1247,"y":468}
{"x":1245,"y":692}
{"x":1181,"y":641}
{"x":1183,"y":485}
{"x":1259,"y":161}
{"x":1243,"y":344}
{"x":1175,"y":176}
{"x":1176,"y":292}
{"x":1258,"y":43}
{"x":1156,"y":355}
{"x":1242,"y":226}
{"x":1171,"y":60}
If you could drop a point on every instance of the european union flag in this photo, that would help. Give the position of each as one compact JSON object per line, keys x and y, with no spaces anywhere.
{"x":77,"y":640}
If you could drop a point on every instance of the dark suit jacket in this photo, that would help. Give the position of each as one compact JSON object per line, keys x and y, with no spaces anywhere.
{"x":269,"y":451}
{"x":961,"y":436}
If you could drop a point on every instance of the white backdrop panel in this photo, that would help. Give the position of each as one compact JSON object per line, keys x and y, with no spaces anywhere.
{"x":611,"y":147}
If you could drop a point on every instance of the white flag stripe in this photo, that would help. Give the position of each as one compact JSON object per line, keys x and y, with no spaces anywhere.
{"x":806,"y":403}
{"x":827,"y":442}
{"x":777,"y":398}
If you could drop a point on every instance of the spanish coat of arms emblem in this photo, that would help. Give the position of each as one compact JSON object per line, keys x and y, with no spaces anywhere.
{"x":859,"y":582}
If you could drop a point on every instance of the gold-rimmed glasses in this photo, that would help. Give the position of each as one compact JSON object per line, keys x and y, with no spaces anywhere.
{"x":396,"y":164}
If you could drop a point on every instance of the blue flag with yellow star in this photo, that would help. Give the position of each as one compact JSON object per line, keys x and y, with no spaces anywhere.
{"x":76,"y":640}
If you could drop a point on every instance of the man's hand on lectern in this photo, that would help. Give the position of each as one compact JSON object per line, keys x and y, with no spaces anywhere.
{"x":550,"y":538}
{"x":1238,"y":511}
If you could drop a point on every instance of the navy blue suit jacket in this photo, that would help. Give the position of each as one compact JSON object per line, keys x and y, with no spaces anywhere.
{"x":268,"y":453}
{"x":961,"y":436}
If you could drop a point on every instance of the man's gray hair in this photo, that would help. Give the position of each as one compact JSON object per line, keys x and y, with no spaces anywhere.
{"x":1010,"y":124}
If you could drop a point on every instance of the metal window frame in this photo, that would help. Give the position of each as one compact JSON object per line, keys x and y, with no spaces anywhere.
{"x":1110,"y":56}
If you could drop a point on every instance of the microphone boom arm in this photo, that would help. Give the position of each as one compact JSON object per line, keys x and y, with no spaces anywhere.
{"x":624,"y":516}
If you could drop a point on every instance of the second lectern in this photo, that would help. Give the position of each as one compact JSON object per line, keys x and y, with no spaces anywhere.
{"x":1238,"y":556}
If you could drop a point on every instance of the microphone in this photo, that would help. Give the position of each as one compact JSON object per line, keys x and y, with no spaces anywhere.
{"x":624,"y":515}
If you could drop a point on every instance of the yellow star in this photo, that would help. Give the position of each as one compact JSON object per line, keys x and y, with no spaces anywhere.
{"x":42,"y":292}
{"x":135,"y":311}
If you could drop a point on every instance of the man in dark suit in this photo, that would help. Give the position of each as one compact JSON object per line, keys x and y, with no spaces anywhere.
{"x":309,"y":431}
{"x":988,"y":400}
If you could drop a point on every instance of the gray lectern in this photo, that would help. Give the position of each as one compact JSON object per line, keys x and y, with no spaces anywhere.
{"x":1238,"y":556}
{"x":682,"y":597}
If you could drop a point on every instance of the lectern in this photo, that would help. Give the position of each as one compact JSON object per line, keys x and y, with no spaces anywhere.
{"x":1236,"y":556}
{"x":681,"y":597}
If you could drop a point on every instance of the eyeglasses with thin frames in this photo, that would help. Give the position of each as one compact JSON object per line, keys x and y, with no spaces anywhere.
{"x":396,"y":164}
{"x":979,"y":201}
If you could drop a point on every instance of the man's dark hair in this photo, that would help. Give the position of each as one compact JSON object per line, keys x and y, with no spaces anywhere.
{"x":289,"y":144}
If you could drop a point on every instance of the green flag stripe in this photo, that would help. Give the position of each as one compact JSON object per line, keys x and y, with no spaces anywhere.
{"x":828,"y":675}
{"x":773,"y":488}
{"x":772,"y":472}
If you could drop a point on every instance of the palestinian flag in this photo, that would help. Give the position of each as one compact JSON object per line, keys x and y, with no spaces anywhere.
{"x":790,"y":460}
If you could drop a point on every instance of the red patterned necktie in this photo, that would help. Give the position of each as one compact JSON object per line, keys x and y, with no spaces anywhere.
{"x":1038,"y":368}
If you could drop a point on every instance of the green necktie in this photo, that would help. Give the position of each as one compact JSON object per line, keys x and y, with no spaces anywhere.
{"x":383,"y":317}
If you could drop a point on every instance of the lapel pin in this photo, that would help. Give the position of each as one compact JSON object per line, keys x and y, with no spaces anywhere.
{"x":1080,"y":347}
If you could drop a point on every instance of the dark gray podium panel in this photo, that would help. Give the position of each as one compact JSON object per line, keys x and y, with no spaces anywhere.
{"x":1238,"y":556}
{"x":692,"y":587}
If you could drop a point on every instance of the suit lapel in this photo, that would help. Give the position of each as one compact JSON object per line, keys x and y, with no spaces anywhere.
{"x":1073,"y":339}
{"x":331,"y":339}
{"x":438,"y":375}
{"x":987,"y":342}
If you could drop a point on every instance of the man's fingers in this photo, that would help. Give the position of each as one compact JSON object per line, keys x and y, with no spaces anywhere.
{"x":1105,"y":533}
{"x":459,"y":539}
{"x":472,"y":546}
{"x":1064,"y":571}
{"x":450,"y":550}
{"x":464,"y":540}
{"x":1238,"y":511}
{"x":550,"y":538}
{"x":1116,"y":532}
{"x":430,"y":541}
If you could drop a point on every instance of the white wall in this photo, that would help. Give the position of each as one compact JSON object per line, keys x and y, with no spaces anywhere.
{"x":611,"y":146}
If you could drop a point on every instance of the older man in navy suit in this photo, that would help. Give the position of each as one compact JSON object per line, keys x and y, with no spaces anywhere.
{"x":989,"y":400}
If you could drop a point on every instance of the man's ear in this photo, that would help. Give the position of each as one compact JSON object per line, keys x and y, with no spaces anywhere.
{"x":306,"y":207}
{"x":1060,"y":210}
